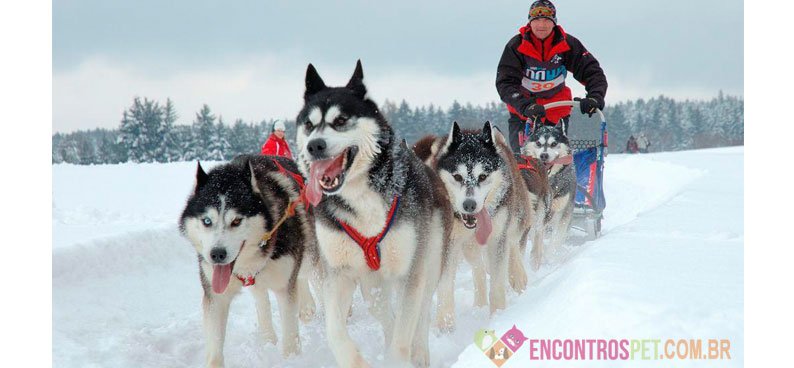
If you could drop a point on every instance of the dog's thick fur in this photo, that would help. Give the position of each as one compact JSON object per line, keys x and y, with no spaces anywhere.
{"x":481,"y":178}
{"x":356,"y":168}
{"x":225,"y":218}
{"x":548,"y":143}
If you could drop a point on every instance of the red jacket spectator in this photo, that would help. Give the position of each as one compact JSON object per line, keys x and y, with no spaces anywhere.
{"x":276,"y":145}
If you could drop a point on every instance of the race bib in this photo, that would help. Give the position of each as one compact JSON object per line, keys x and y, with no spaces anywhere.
{"x":539,"y":80}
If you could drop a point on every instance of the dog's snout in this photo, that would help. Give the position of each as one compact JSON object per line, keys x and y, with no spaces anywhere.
{"x":544,"y":156}
{"x":469,"y":205}
{"x":218,"y":255}
{"x":317,"y":147}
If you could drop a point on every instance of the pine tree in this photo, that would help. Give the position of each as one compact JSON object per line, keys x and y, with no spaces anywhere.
{"x":141,"y":130}
{"x":203,"y":129}
{"x":218,"y":147}
{"x":169,"y":150}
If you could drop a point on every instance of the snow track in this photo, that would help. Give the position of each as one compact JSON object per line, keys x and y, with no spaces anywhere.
{"x":669,"y":265}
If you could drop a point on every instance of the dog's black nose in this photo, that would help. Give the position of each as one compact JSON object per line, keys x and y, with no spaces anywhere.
{"x":469,"y":205}
{"x":316,"y":147}
{"x":544,"y":156}
{"x":218,"y":255}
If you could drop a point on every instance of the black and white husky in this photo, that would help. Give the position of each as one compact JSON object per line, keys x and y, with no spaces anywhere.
{"x":249,"y":228}
{"x":550,"y":145}
{"x":382,"y":219}
{"x":493,"y":214}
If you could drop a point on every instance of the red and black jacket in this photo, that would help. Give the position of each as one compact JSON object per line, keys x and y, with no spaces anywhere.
{"x":533,"y":71}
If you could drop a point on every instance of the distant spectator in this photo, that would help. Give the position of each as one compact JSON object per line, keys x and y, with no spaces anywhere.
{"x":276,"y":145}
{"x":643,"y":143}
{"x":631,"y":145}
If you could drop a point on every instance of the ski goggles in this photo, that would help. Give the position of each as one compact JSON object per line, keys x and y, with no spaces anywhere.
{"x":541,"y":11}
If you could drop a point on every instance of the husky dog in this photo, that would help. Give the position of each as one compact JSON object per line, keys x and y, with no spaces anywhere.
{"x":249,"y":228}
{"x":492,"y":206}
{"x":537,"y":182}
{"x":382,"y":219}
{"x":549,"y":144}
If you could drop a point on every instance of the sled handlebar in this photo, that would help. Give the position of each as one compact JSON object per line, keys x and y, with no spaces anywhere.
{"x":572,"y":104}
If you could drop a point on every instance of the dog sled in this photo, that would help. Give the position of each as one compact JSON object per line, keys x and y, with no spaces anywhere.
{"x":589,"y":141}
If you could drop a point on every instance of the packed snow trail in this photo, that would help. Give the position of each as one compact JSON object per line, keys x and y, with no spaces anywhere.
{"x":669,"y":265}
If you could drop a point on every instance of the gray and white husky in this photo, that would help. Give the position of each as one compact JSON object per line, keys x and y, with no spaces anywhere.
{"x":550,"y":145}
{"x":232,"y":210}
{"x":382,"y":219}
{"x":493,"y":213}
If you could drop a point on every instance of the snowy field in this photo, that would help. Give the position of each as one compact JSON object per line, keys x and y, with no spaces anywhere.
{"x":669,"y":265}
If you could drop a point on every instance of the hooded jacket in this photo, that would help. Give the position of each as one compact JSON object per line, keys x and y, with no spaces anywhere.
{"x":276,"y":146}
{"x":533,"y":71}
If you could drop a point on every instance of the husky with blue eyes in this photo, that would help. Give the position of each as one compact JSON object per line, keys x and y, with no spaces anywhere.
{"x":493,"y":214}
{"x":250,"y":227}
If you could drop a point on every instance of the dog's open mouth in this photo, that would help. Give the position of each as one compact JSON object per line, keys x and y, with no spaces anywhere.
{"x":481,"y":221}
{"x":328,"y":176}
{"x":469,"y":221}
{"x":221,"y":274}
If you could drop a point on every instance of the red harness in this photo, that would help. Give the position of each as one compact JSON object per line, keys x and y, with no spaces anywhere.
{"x":301,"y":185}
{"x":250,"y":280}
{"x":247,"y":281}
{"x":371,"y":246}
{"x":527,"y":164}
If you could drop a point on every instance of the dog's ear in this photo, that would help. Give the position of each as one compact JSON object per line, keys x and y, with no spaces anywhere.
{"x":453,"y":139}
{"x":454,"y":134}
{"x":254,"y":182}
{"x":201,"y":177}
{"x":487,"y":135}
{"x":562,"y":125}
{"x":314,"y":83}
{"x":356,"y":82}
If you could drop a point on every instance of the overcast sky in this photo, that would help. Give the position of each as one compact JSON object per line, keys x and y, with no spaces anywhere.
{"x":247,"y":59}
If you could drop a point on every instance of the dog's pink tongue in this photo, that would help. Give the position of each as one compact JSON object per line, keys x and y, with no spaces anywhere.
{"x":220,"y":277}
{"x":317,"y":170}
{"x":484,"y":226}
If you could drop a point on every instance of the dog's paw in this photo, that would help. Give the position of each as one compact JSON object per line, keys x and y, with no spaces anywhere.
{"x":214,"y":362}
{"x":307,"y":312}
{"x":291,"y":347}
{"x":518,"y":280}
{"x":536,"y":260}
{"x":420,"y":358}
{"x":480,"y":300}
{"x":445,"y":322}
{"x":269,"y":337}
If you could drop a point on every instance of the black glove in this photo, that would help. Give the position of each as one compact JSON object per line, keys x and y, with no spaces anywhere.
{"x":534,"y":111}
{"x":589,"y":105}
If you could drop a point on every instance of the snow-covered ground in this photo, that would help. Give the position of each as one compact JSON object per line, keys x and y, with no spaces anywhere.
{"x":669,"y":266}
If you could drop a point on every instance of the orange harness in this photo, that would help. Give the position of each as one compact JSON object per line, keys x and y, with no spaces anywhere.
{"x":290,"y":211}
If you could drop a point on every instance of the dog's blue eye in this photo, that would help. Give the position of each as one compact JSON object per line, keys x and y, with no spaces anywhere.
{"x":207,"y":221}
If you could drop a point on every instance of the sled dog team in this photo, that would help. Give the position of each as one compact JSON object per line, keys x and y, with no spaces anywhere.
{"x":359,"y":209}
